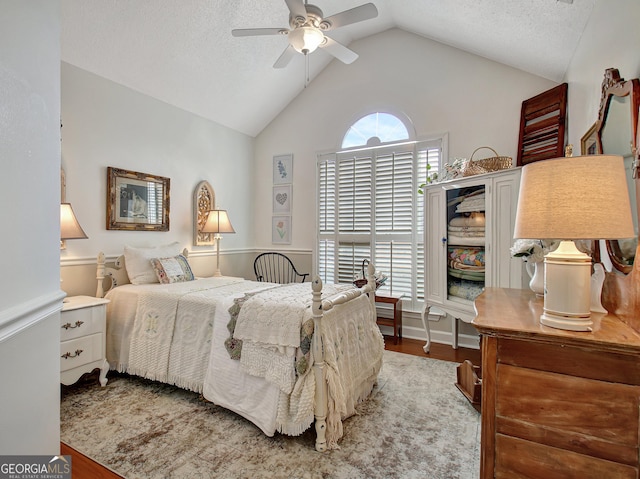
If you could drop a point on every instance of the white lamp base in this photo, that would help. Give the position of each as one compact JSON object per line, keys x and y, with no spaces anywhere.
{"x":570,"y":324}
{"x":217,"y":239}
{"x":567,"y":289}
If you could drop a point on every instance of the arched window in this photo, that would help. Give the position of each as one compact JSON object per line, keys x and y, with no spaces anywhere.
{"x":370,"y":207}
{"x":374,"y":129}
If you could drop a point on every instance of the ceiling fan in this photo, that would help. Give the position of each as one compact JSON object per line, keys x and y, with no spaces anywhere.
{"x":307,"y":30}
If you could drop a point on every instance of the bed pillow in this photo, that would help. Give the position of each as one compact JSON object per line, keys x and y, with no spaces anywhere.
{"x":138,"y":264}
{"x":172,"y":270}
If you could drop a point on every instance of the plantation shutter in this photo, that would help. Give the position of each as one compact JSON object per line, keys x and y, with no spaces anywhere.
{"x":369,"y":207}
{"x":355,"y":191}
{"x":327,"y":218}
{"x":542,"y":126}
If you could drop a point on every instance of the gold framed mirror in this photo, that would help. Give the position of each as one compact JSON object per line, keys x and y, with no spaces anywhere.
{"x":617,"y":134}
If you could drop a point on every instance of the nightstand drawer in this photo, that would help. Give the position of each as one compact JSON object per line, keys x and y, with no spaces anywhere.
{"x":80,"y":351}
{"x":82,"y":322}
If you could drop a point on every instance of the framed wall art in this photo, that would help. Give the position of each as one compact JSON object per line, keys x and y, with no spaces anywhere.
{"x":282,"y":169}
{"x":588,"y":142}
{"x":137,"y":201}
{"x":282,"y":199}
{"x":281,"y":230}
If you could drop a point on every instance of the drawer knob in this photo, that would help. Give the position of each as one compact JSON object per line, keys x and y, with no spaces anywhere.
{"x":68,"y":355}
{"x":70,"y":326}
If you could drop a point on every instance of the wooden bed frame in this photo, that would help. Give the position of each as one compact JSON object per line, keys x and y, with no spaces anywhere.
{"x":117,"y":275}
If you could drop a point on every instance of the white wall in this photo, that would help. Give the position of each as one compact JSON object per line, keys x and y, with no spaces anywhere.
{"x":31,"y":299}
{"x":610,"y":40}
{"x":106,"y":124}
{"x":441,"y":89}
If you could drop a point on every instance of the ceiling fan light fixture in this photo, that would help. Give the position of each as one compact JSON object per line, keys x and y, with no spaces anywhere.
{"x":306,"y":39}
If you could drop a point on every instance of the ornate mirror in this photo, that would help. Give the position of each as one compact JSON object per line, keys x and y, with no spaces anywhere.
{"x":616,"y":134}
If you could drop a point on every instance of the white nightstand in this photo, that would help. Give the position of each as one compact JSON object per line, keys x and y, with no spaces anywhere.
{"x":83,"y":338}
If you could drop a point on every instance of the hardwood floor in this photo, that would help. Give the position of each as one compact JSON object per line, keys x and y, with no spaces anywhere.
{"x":85,"y":468}
{"x":438,"y":351}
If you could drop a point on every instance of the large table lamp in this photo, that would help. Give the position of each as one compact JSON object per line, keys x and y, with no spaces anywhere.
{"x":69,"y":226}
{"x":574,"y":198}
{"x":217,"y":222}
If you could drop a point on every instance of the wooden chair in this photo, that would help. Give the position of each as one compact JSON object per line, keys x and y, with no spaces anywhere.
{"x":275,"y":267}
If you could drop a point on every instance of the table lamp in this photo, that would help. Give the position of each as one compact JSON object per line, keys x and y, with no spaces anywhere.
{"x":583,"y":197}
{"x":69,"y":226}
{"x":217,"y":222}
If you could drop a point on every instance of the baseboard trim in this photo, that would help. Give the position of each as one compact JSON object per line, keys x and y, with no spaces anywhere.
{"x":440,"y":337}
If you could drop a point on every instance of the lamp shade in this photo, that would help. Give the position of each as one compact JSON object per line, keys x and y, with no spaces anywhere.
{"x":217,"y":222}
{"x":305,"y":39}
{"x":582,"y":197}
{"x":69,"y":226}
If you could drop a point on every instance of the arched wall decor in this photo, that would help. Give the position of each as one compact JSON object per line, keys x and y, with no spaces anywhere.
{"x":204,"y":200}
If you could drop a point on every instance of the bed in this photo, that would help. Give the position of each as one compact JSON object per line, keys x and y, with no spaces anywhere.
{"x":282,"y":356}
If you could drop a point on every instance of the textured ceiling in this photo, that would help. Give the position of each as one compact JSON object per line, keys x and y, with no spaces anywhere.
{"x":182,"y":51}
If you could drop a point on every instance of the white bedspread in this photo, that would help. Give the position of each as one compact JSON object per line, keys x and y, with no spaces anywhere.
{"x":176,"y":333}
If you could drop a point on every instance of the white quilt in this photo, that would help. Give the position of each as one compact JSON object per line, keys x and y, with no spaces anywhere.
{"x":175,"y":333}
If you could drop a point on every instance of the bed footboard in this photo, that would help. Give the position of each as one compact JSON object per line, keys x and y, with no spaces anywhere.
{"x":319,"y":307}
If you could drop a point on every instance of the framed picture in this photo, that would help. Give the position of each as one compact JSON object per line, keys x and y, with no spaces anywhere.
{"x":282,"y":199}
{"x":281,"y":230}
{"x":589,"y":143}
{"x":282,"y":169}
{"x":137,"y":201}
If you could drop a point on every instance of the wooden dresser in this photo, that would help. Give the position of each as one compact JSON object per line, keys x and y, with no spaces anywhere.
{"x":555,"y":403}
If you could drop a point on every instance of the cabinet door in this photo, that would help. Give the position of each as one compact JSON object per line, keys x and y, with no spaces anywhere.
{"x":465,"y":255}
{"x":505,"y":271}
{"x":435,"y":248}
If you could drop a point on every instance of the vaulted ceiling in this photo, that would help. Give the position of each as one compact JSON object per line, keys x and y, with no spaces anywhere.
{"x":182,"y":51}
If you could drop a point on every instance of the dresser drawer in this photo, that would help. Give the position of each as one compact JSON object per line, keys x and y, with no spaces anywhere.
{"x":80,"y":351}
{"x":517,"y":458}
{"x":82,"y":322}
{"x":586,"y":416}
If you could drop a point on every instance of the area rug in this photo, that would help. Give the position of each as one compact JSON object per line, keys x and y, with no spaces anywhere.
{"x":416,"y":424}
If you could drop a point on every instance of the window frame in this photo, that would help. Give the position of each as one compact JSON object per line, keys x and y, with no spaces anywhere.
{"x":416,"y":237}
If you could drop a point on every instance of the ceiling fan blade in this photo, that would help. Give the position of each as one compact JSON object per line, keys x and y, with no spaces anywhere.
{"x":296,"y":7}
{"x":251,"y":32}
{"x":339,"y":51}
{"x":357,"y":14}
{"x":285,"y":58}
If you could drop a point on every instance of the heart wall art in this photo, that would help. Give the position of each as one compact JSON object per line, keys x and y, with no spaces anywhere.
{"x":282,"y":199}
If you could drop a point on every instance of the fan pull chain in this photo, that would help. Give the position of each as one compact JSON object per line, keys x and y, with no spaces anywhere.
{"x":306,"y":70}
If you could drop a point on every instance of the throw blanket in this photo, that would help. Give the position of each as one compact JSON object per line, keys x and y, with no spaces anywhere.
{"x":269,"y":325}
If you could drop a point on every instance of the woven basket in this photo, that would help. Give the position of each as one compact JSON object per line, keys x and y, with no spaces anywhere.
{"x":486,"y":165}
{"x":359,"y":283}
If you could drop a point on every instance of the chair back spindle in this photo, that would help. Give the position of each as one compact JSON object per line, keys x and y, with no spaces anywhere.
{"x":273,"y":267}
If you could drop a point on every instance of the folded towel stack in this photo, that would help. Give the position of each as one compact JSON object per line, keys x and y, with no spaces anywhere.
{"x":466,"y":240}
{"x":467,"y":230}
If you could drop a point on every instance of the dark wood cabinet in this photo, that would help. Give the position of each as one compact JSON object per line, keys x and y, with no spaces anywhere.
{"x":555,"y":403}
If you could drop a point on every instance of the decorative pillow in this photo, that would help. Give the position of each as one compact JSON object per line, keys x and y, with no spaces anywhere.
{"x":138,"y":265}
{"x":172,"y":270}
